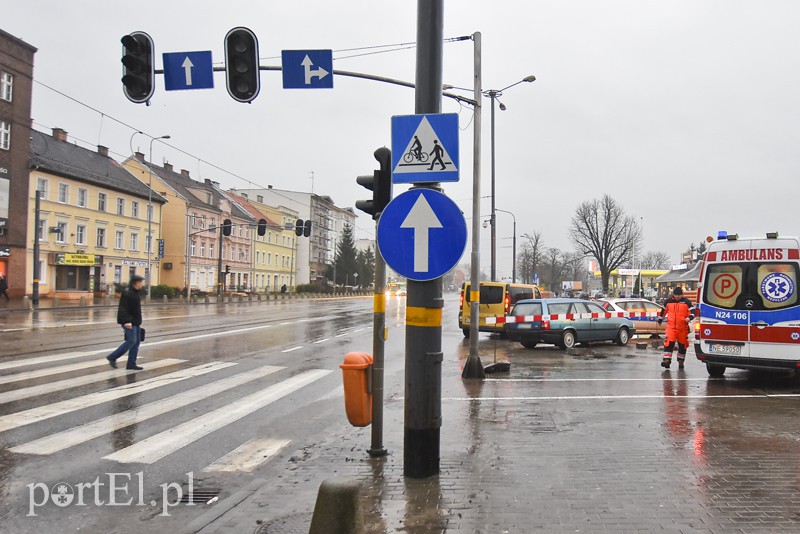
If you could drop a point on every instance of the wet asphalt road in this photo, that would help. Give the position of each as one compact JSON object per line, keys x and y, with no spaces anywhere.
{"x":228,"y":429}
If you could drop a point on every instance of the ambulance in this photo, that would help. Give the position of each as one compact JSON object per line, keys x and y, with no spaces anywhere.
{"x":749,"y":314}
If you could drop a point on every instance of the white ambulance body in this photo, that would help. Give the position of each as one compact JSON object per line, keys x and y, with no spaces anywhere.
{"x":748,"y":304}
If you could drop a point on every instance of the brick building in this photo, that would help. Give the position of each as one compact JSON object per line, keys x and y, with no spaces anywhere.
{"x":16,"y":79}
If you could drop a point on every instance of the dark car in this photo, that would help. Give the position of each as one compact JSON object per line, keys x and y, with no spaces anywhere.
{"x":565,"y":323}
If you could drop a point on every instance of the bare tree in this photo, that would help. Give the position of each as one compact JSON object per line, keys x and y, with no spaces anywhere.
{"x":600,"y":228}
{"x":576,"y":267}
{"x":655,"y":260}
{"x":555,"y":266}
{"x":530,"y":257}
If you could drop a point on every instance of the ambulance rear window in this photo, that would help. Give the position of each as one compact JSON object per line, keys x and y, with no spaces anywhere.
{"x":723,"y":284}
{"x":777,"y":285}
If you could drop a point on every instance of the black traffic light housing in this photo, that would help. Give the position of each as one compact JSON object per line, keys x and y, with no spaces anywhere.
{"x":298,"y":227}
{"x":262,"y":227}
{"x":138,"y":67}
{"x":307,"y":229}
{"x":227,"y":269}
{"x":380,"y":183}
{"x":242,"y":76}
{"x":227,"y":227}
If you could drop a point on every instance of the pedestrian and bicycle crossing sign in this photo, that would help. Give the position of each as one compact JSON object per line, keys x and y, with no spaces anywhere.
{"x":425,"y":148}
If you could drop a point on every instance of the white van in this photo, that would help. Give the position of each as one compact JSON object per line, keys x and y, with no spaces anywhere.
{"x":748,"y":304}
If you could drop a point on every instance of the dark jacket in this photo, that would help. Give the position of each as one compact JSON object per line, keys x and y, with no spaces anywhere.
{"x":3,"y":285}
{"x":130,"y":307}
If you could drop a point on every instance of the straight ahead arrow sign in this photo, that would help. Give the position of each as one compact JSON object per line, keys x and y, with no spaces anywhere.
{"x":421,"y":218}
{"x":187,"y":68}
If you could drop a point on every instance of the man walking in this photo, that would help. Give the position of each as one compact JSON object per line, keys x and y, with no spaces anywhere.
{"x":437,"y":154}
{"x":4,"y":287}
{"x":678,"y":312}
{"x":129,"y":315}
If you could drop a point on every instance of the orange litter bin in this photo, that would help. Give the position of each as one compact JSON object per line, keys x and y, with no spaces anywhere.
{"x":356,"y":370}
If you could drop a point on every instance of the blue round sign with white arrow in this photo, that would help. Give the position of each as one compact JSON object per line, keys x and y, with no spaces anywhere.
{"x":422,"y":234}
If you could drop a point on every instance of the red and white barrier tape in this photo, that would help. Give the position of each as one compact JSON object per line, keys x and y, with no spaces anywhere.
{"x":566,"y":317}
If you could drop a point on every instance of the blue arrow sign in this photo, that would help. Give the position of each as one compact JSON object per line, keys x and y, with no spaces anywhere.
{"x":422,"y":234}
{"x":307,"y":69}
{"x":188,"y":70}
{"x":425,"y":148}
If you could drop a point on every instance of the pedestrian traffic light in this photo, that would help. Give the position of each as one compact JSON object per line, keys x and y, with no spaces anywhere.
{"x":241,"y":64}
{"x":380,"y":183}
{"x":298,"y":227}
{"x":307,"y":229}
{"x":227,"y":227}
{"x":227,"y":269}
{"x":262,"y":227}
{"x":138,"y":67}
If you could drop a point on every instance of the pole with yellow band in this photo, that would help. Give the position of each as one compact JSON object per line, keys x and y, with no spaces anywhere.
{"x":424,"y":317}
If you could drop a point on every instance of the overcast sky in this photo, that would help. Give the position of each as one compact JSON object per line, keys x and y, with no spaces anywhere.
{"x":685,"y":111}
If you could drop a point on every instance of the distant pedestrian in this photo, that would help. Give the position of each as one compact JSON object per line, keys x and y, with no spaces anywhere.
{"x":129,"y":316}
{"x":437,"y":154}
{"x":4,"y":287}
{"x":284,"y":288}
{"x":678,"y":313}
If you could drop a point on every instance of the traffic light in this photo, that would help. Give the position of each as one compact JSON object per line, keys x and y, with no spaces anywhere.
{"x":227,"y":269}
{"x":380,"y":183}
{"x":307,"y":229}
{"x":262,"y":227}
{"x":241,"y":64}
{"x":298,"y":227}
{"x":138,"y":67}
{"x":227,"y":227}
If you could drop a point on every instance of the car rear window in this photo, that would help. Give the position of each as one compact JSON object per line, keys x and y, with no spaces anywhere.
{"x":723,"y":284}
{"x":489,"y":294}
{"x":776,"y":284}
{"x":528,"y":308}
{"x":520,"y":293}
{"x":558,"y":309}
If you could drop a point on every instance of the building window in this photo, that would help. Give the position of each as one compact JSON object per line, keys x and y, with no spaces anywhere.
{"x":149,"y":212}
{"x":119,"y":240}
{"x":43,"y":230}
{"x":148,"y":243}
{"x":211,"y":250}
{"x":209,"y":199}
{"x":41,"y":186}
{"x":101,"y":201}
{"x":80,"y":234}
{"x":202,"y":249}
{"x":259,"y":198}
{"x":120,"y":206}
{"x":63,"y":193}
{"x":203,"y":222}
{"x":194,"y":220}
{"x":101,"y":238}
{"x":192,"y":247}
{"x":7,"y":86}
{"x":135,"y":242}
{"x":269,"y":258}
{"x":5,"y":135}
{"x":134,"y":209}
{"x":83,"y":196}
{"x":269,"y":237}
{"x":61,"y":235}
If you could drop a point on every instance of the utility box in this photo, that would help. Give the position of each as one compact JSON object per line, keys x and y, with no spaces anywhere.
{"x":356,"y":377}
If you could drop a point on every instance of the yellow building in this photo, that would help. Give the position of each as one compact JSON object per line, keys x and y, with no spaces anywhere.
{"x":93,"y":229}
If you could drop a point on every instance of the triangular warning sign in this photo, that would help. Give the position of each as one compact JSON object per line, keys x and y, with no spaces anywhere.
{"x":424,"y":153}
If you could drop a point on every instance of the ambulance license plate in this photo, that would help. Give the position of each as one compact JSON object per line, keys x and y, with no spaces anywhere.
{"x":733,"y":350}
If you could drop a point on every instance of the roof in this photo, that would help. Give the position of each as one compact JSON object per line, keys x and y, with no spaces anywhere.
{"x":18,"y":41}
{"x":72,"y":161}
{"x":681,"y":275}
{"x":250,"y":208}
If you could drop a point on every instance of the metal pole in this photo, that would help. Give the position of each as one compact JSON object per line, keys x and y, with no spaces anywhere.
{"x":493,"y":96}
{"x":37,"y":248}
{"x":514,"y":248}
{"x":423,"y":377}
{"x":378,"y":340}
{"x":220,"y":274}
{"x":188,"y":258}
{"x":473,"y":368}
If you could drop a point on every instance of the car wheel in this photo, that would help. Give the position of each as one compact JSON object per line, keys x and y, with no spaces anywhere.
{"x":568,"y":339}
{"x":622,"y":337}
{"x":528,"y":344}
{"x":715,"y":371}
{"x":465,"y":331}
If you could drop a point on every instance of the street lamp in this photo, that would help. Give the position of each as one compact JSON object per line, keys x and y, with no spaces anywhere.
{"x":494,"y":94}
{"x":513,"y":247}
{"x":149,"y":241}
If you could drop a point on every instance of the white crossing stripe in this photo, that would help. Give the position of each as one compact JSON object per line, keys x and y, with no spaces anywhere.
{"x":49,"y":371}
{"x":41,"y":413}
{"x":321,"y":341}
{"x":293,"y":349}
{"x":155,"y":447}
{"x":81,"y":434}
{"x":248,"y":456}
{"x":61,"y":385}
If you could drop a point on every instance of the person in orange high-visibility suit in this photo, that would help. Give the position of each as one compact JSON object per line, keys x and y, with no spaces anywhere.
{"x":678,"y":313}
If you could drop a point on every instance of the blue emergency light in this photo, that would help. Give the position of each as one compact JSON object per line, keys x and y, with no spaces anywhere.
{"x":722,"y":235}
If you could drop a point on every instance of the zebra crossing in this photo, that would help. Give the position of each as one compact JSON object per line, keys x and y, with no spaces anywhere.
{"x":224,"y":387}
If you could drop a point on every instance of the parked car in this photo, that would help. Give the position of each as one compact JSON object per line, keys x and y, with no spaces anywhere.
{"x":565,"y":323}
{"x":644,"y":325}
